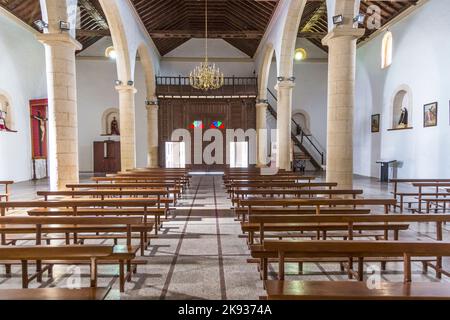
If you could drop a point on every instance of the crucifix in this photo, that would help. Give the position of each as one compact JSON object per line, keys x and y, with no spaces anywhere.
{"x":42,"y":130}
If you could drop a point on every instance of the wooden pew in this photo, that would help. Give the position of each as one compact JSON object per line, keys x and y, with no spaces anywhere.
{"x":436,"y":185}
{"x":6,"y":193}
{"x":91,"y":253}
{"x":356,"y":248}
{"x":243,"y":194}
{"x":349,"y":290}
{"x":403,"y":195}
{"x":55,"y":294}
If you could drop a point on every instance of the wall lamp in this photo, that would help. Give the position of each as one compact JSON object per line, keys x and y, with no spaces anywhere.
{"x":130,"y":82}
{"x":151,"y":103}
{"x":338,"y":20}
{"x":286,"y":79}
{"x":41,"y":25}
{"x":359,"y":18}
{"x":118,"y":82}
{"x":64,"y":26}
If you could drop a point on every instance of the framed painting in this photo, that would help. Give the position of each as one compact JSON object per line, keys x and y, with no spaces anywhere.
{"x":38,"y":120}
{"x":375,"y":123}
{"x":430,"y":113}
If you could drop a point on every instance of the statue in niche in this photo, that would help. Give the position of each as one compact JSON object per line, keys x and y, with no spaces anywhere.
{"x":115,"y":127}
{"x":403,"y":121}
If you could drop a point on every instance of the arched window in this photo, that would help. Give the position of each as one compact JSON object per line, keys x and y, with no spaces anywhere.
{"x":6,"y":114}
{"x":386,"y":50}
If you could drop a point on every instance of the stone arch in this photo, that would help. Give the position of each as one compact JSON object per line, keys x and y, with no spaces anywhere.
{"x":7,"y":109}
{"x":402,"y":97}
{"x":119,"y":38}
{"x":290,"y":32}
{"x":107,"y":116}
{"x":302,"y":118}
{"x":149,"y":73}
{"x":264,"y":71}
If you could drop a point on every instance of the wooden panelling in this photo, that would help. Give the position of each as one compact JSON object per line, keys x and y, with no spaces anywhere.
{"x":180,"y":113}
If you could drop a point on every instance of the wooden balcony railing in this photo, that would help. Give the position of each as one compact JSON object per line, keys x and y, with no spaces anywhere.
{"x":233,"y":86}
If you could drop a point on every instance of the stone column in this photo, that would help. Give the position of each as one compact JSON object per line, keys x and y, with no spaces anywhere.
{"x":62,"y":108}
{"x":261,"y":130}
{"x":284,"y":115}
{"x":152,"y":134}
{"x":341,"y":94}
{"x":127,"y":126}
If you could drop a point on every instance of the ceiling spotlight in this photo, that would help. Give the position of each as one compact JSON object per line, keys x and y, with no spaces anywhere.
{"x":111,"y":53}
{"x":64,"y":26}
{"x":41,"y":25}
{"x":118,"y":82}
{"x":338,"y":20}
{"x":300,"y":54}
{"x":359,"y":18}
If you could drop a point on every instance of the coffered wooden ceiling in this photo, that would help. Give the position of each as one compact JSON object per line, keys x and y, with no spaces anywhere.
{"x":170,"y":23}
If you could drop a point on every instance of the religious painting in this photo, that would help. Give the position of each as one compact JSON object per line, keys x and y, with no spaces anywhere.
{"x":39,"y":119}
{"x":375,"y":123}
{"x":430,"y":112}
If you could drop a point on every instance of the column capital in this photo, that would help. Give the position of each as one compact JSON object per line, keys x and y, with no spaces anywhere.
{"x":284,"y":85}
{"x":338,"y":32}
{"x":261,"y":105}
{"x":53,"y":39}
{"x":125,"y":87}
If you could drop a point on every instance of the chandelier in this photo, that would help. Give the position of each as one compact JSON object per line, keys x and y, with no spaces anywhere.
{"x":205,"y":76}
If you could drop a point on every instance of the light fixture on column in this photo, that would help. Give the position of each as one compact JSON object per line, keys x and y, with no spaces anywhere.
{"x":286,"y":79}
{"x":338,"y":20}
{"x":262,"y":101}
{"x":64,"y":26}
{"x":300,"y":54}
{"x":111,"y":53}
{"x":41,"y":25}
{"x":118,"y":82}
{"x":130,"y":82}
{"x":151,"y":102}
{"x":205,"y":76}
{"x":360,"y":18}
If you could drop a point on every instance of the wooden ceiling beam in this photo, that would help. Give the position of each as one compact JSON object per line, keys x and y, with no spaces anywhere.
{"x":166,"y":34}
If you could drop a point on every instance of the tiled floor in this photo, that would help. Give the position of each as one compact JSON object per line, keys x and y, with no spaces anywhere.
{"x":199,"y":254}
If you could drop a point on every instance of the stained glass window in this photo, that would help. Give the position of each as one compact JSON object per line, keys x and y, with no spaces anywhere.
{"x":217,"y":125}
{"x":197,"y":124}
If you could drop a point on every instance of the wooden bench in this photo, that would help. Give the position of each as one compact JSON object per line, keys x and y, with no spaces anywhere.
{"x":243,"y":194}
{"x":294,"y":211}
{"x":356,"y":248}
{"x":350,"y":290}
{"x":64,"y":212}
{"x":75,"y":226}
{"x":55,"y":294}
{"x":71,"y":252}
{"x":5,"y":195}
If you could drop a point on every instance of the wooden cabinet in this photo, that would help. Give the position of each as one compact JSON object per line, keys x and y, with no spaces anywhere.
{"x":106,"y":156}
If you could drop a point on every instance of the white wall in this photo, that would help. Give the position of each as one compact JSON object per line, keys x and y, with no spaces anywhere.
{"x":420,"y":61}
{"x":96,"y":93}
{"x":22,"y":77}
{"x":182,"y":60}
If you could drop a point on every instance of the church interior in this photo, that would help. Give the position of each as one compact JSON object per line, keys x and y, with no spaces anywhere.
{"x":224,"y":150}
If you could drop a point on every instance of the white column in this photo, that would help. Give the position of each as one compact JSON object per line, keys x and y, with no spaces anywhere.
{"x":284,"y":115}
{"x":261,"y":129}
{"x":152,"y":134}
{"x":62,"y":108}
{"x":341,"y":94}
{"x":127,"y":126}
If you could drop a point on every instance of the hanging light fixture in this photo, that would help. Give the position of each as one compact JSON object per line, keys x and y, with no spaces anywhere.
{"x":205,"y":76}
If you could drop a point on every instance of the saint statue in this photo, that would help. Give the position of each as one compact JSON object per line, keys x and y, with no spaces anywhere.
{"x":3,"y":120}
{"x":42,"y":130}
{"x":115,"y":127}
{"x":403,"y":122}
